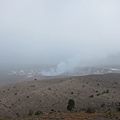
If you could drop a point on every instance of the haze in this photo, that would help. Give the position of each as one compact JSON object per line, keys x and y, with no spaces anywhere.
{"x":49,"y":32}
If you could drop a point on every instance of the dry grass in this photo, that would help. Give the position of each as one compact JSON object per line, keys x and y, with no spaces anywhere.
{"x":71,"y":116}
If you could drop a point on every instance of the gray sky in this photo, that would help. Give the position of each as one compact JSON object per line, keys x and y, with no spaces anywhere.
{"x":51,"y":31}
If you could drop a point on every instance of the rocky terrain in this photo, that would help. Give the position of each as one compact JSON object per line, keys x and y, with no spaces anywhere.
{"x":92,"y":93}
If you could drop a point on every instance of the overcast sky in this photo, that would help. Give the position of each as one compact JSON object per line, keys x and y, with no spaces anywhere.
{"x":51,"y":31}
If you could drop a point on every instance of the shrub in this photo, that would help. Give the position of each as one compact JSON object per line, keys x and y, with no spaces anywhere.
{"x":39,"y":113}
{"x":83,"y":86}
{"x":71,"y":105}
{"x":90,"y":110}
{"x":102,"y":105}
{"x":107,"y":91}
{"x":98,"y":94}
{"x":27,"y":96}
{"x":49,"y":88}
{"x":17,"y":114}
{"x":109,"y":111}
{"x":118,"y":109}
{"x":30,"y":112}
{"x":52,"y":110}
{"x":91,"y":96}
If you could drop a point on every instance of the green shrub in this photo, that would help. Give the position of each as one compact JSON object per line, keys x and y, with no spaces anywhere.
{"x":71,"y":105}
{"x":109,"y":111}
{"x":98,"y":94}
{"x":107,"y":91}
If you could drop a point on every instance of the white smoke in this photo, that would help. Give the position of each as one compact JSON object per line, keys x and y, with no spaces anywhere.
{"x":70,"y":65}
{"x":62,"y":67}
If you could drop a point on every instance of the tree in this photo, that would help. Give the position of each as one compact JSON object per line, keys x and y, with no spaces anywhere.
{"x":71,"y":105}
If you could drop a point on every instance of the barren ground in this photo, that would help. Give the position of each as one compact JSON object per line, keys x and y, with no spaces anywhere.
{"x":100,"y":92}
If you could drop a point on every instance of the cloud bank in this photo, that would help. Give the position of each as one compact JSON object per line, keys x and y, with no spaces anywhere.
{"x":48,"y":32}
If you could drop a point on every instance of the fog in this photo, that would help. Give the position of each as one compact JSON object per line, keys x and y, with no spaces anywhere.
{"x":65,"y":33}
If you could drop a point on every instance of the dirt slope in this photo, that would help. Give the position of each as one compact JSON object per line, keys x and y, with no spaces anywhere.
{"x":101,"y":92}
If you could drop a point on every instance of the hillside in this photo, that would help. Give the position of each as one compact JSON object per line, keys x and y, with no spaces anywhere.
{"x":100,"y":92}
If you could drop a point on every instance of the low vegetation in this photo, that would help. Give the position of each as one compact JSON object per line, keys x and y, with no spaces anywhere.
{"x":68,"y":116}
{"x":64,"y":99}
{"x":71,"y":105}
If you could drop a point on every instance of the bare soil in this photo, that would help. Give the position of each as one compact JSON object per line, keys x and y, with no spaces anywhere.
{"x":99,"y":92}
